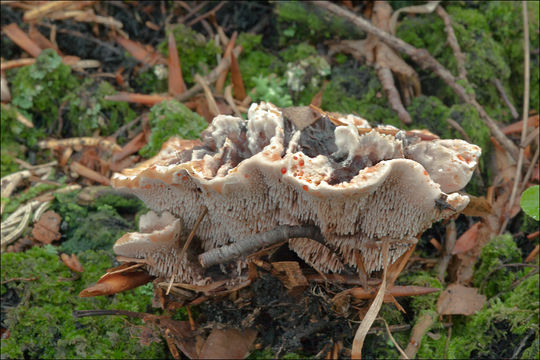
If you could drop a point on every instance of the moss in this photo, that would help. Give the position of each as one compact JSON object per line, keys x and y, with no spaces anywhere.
{"x":151,"y":81}
{"x":197,"y":54}
{"x":297,"y":52}
{"x":272,"y":89}
{"x":498,"y":329}
{"x":41,"y":325}
{"x":297,"y":20}
{"x":89,"y":111}
{"x":485,"y":58}
{"x":38,"y":91}
{"x":255,"y":61}
{"x":422,"y":303}
{"x":505,"y":20}
{"x":500,"y":250}
{"x":96,"y":226}
{"x":170,"y":118}
{"x":361,"y":94}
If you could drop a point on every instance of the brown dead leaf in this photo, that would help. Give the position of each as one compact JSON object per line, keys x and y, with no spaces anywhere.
{"x":478,"y":206}
{"x":467,"y":240}
{"x":140,"y":52}
{"x":517,"y":126}
{"x":72,"y":262}
{"x":236,"y":76}
{"x":228,"y":344}
{"x":176,"y":81}
{"x":460,"y":300}
{"x":116,"y":283}
{"x":19,"y":37}
{"x":290,"y":274}
{"x":144,"y":99}
{"x":41,"y":40}
{"x":46,"y":230}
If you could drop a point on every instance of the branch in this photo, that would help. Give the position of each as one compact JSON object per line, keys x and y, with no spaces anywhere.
{"x":257,"y":241}
{"x":525,"y":114}
{"x":426,"y":61}
{"x":452,"y":41}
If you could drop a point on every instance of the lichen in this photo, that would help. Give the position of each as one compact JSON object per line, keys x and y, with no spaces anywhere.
{"x":41,"y":324}
{"x":170,"y":118}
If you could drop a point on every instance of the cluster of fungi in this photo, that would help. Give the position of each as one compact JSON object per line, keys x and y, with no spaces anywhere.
{"x":331,"y":185}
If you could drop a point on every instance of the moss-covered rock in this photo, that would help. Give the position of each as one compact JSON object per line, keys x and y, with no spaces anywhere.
{"x":41,"y":324}
{"x":171,"y":118}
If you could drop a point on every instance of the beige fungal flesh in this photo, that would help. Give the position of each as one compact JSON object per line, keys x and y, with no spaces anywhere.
{"x":359,"y":188}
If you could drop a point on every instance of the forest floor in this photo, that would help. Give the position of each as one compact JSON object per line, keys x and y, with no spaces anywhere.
{"x":91,"y":88}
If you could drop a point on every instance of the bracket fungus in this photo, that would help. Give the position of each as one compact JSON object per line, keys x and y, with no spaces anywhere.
{"x":331,"y":184}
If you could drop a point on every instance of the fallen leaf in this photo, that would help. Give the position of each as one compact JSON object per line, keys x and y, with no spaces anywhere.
{"x":176,"y":81}
{"x":19,"y":37}
{"x":458,"y":299}
{"x":72,"y":262}
{"x":236,"y":77}
{"x":46,"y":230}
{"x":116,"y":283}
{"x":140,"y":53}
{"x":518,"y":126}
{"x":290,"y":274}
{"x":228,"y":344}
{"x":478,"y":206}
{"x":467,"y":241}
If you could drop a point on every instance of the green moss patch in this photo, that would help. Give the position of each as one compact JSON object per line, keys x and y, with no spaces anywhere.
{"x":41,"y":324}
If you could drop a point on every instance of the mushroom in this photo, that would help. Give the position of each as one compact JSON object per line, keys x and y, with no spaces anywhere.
{"x":283,"y":168}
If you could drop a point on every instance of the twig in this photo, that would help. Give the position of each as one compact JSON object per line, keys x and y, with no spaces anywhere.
{"x":452,"y":41}
{"x":206,"y":14}
{"x":361,"y":332}
{"x":187,"y":243}
{"x":422,"y":325}
{"x":212,"y":106}
{"x":389,"y":87}
{"x":423,"y":58}
{"x":18,"y":279}
{"x":447,"y":342}
{"x":500,"y":89}
{"x":525,"y":115}
{"x":484,"y":280}
{"x":532,"y":165}
{"x":403,"y":355}
{"x":522,"y":343}
{"x":458,"y":128}
{"x":256,"y":241}
{"x":210,"y":78}
{"x":449,"y":243}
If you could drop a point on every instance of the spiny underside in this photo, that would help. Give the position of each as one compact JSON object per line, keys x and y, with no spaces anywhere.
{"x":359,"y":186}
